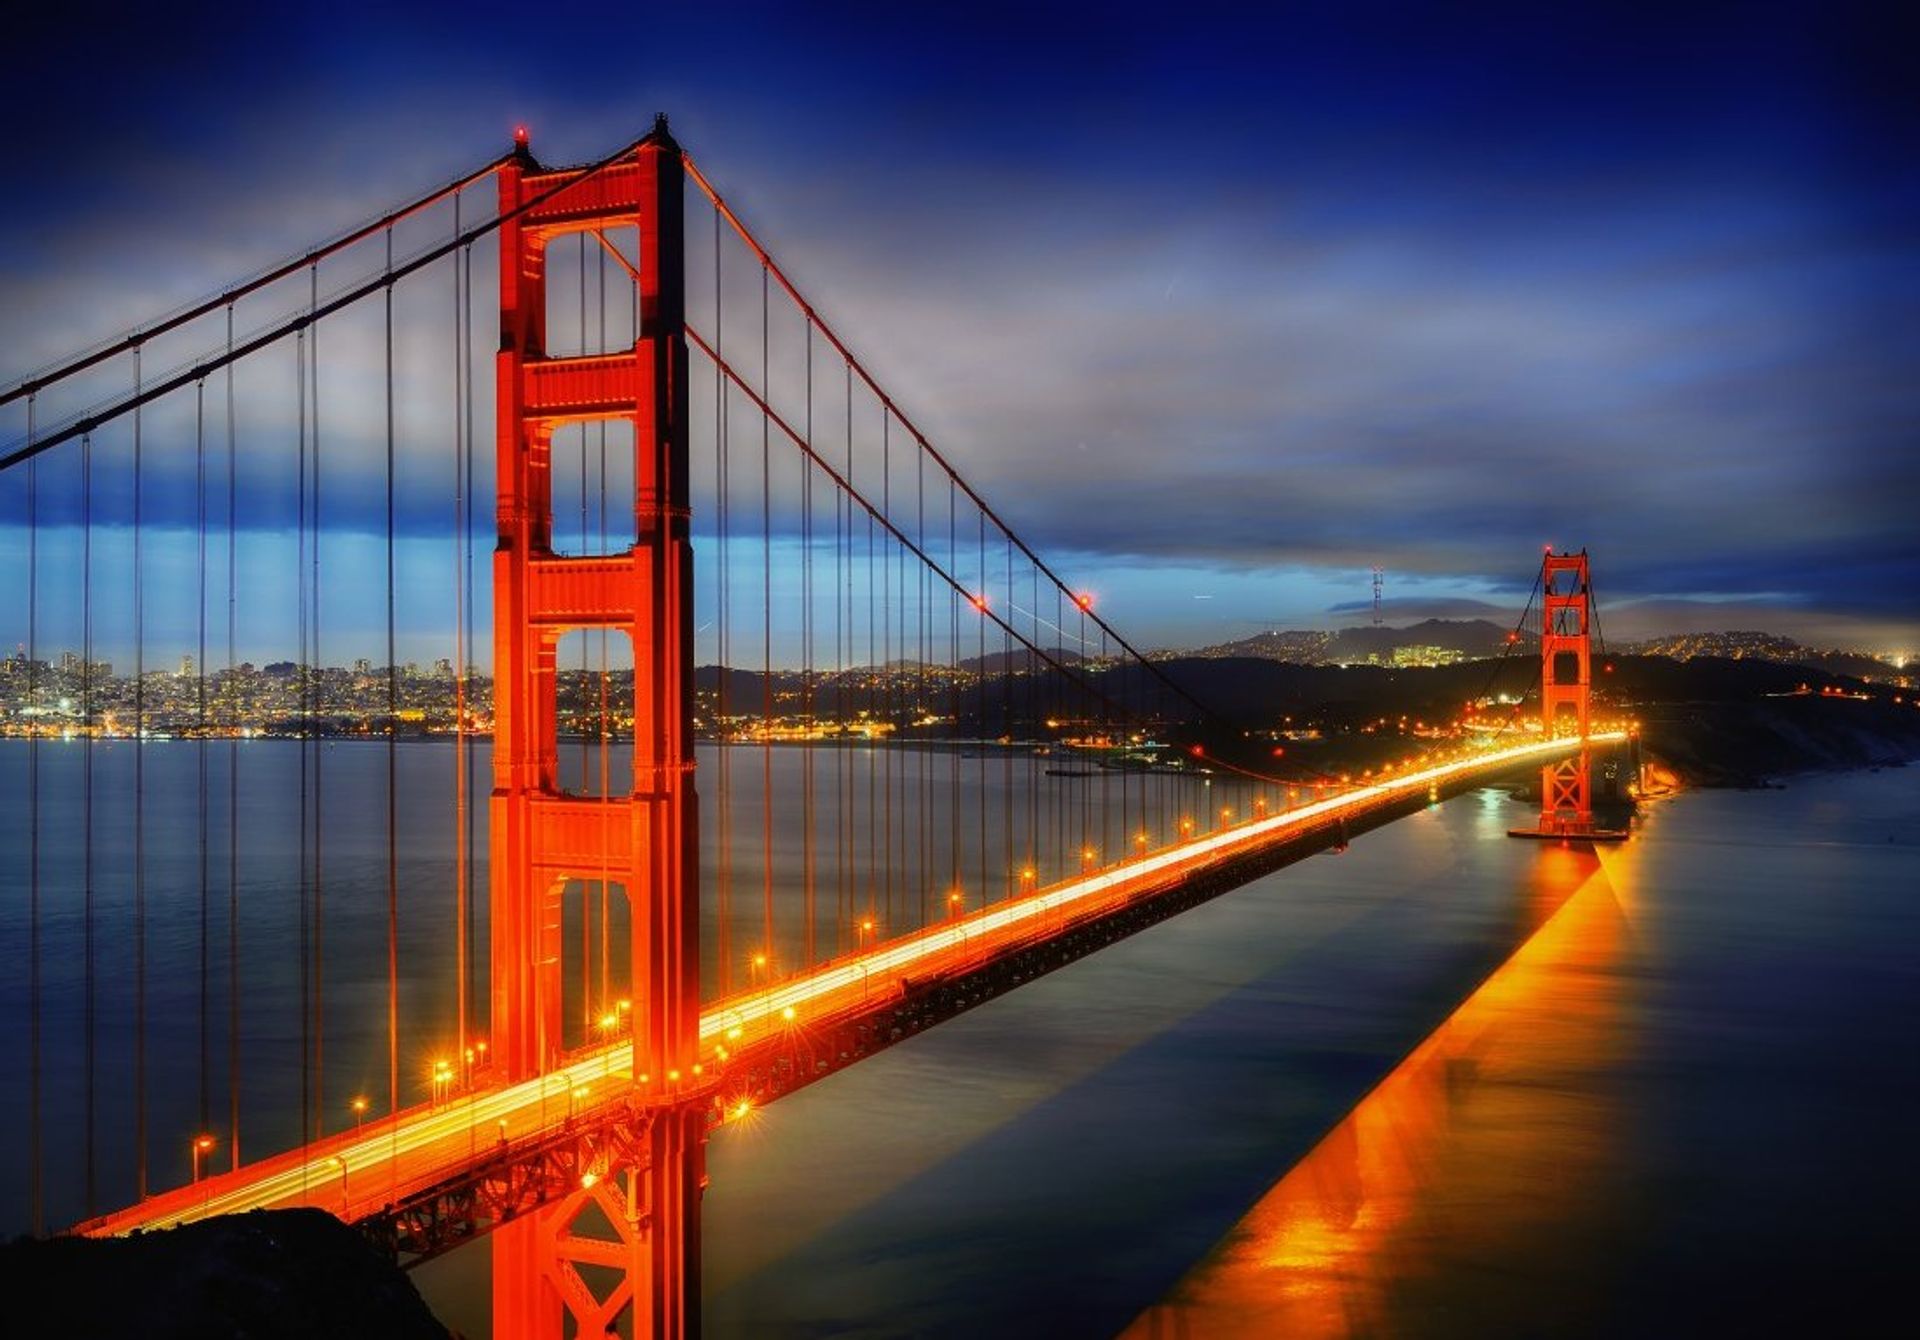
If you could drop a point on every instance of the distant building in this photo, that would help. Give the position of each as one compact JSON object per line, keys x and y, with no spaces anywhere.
{"x":1427,"y":656}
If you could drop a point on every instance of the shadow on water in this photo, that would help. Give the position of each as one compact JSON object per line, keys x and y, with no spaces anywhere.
{"x":1461,"y":1157}
{"x":1445,"y":1084}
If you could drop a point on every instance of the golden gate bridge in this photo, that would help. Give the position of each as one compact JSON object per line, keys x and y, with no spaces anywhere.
{"x":929,"y":769}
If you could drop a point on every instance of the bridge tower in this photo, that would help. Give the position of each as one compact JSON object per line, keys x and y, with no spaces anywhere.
{"x":647,"y":1191}
{"x":1566,"y":675}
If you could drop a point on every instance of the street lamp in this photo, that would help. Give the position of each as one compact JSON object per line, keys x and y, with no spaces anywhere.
{"x":442,"y":1079}
{"x":344,"y":1201}
{"x":359,"y":1106}
{"x":202,"y":1146}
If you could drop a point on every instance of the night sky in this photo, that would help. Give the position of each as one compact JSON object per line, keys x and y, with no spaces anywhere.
{"x":1218,"y":311}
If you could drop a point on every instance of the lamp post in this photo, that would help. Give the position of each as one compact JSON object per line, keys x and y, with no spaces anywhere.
{"x":359,"y":1106}
{"x":202,"y":1145}
{"x":344,"y":1201}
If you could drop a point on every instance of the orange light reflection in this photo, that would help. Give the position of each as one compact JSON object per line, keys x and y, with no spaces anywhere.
{"x":1467,"y":1153}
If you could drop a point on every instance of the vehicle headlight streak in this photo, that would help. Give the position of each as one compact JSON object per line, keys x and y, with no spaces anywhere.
{"x":478,"y":1115}
{"x":760,"y":1006}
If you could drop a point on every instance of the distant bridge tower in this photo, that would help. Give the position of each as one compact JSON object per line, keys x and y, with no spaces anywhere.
{"x":645,"y":1187}
{"x":1379,"y":580}
{"x":1566,"y":682}
{"x":1566,"y":675}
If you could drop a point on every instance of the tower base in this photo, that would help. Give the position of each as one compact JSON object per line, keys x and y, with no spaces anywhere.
{"x":1572,"y":833}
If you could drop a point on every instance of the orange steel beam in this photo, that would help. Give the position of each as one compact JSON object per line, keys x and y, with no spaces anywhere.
{"x":1566,"y":800}
{"x":542,"y":838}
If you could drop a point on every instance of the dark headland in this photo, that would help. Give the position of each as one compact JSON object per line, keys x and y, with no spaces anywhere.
{"x":268,"y":1275}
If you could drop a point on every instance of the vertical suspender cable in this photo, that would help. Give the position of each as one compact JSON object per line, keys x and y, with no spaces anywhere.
{"x":306,"y":740}
{"x":393,"y":705}
{"x":723,"y":732}
{"x":883,"y":664}
{"x":586,"y":912}
{"x":139,"y":811}
{"x":923,"y":757}
{"x":466,"y":558}
{"x":233,"y":782}
{"x":37,"y":1215}
{"x":320,"y":745}
{"x":86,"y":767}
{"x":807,"y":890}
{"x":200,"y":716}
{"x":460,"y":816}
{"x":1034,"y":708}
{"x":766,"y":645}
{"x":1006,"y":735}
{"x":844,"y":911}
{"x":586,"y":897}
{"x":873,"y":670}
{"x":953,"y":696}
{"x":980,"y":773}
{"x":605,"y":715}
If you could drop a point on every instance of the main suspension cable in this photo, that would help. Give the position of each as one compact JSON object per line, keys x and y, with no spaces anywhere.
{"x":874,"y":513}
{"x":153,"y":330}
{"x":87,"y":422}
{"x":723,"y":210}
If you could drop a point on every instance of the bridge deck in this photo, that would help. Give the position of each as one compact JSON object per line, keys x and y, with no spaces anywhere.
{"x":358,"y":1173}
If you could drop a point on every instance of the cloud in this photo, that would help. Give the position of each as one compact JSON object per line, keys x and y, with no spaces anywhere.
{"x":1197,"y":311}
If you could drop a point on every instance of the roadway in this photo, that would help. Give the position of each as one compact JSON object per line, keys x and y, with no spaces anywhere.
{"x":357,"y":1172}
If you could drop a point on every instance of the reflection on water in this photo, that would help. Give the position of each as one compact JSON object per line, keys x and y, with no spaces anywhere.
{"x":1467,"y":1151}
{"x":1684,"y":1107}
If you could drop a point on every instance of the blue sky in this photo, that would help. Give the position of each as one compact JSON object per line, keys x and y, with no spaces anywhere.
{"x":1220,"y":311}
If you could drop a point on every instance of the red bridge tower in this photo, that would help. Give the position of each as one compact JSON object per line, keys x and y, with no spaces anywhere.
{"x":1566,"y":675}
{"x":541,"y":837}
{"x":1566,"y":682}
